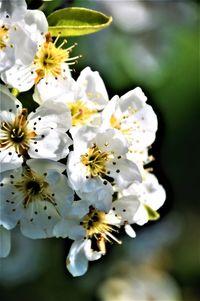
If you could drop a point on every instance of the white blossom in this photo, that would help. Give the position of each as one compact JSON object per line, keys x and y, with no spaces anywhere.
{"x":36,"y":195}
{"x":151,"y":195}
{"x":85,"y":97}
{"x":19,"y":32}
{"x":41,"y":134}
{"x":99,"y":160}
{"x":135,"y":119}
{"x":86,"y":224}
{"x":50,"y":63}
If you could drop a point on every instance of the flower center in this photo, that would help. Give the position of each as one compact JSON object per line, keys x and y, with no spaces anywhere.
{"x":34,"y":187}
{"x":3,"y":36}
{"x":95,"y":161}
{"x":98,"y":226}
{"x":16,"y":133}
{"x":80,"y":112}
{"x":49,"y":58}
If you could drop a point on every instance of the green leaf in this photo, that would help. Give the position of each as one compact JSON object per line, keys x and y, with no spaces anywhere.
{"x":153,"y":215}
{"x":76,"y":21}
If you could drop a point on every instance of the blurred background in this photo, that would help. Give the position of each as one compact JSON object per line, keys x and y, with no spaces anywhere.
{"x":154,"y":45}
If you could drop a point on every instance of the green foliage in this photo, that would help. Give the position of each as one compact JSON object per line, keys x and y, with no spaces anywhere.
{"x":153,"y":215}
{"x":77,"y":21}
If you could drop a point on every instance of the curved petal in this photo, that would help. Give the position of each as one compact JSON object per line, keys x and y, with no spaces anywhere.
{"x":90,"y":254}
{"x":77,"y":262}
{"x":124,"y":171}
{"x":126,"y":208}
{"x":39,"y":220}
{"x":94,"y":86}
{"x":69,"y":228}
{"x":135,"y":96}
{"x":36,"y":19}
{"x":8,"y":102}
{"x":16,"y":9}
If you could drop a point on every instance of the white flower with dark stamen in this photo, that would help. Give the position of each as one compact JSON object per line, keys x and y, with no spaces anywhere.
{"x":51,"y":63}
{"x":92,"y":229}
{"x":98,"y":159}
{"x":151,"y":196}
{"x":84,"y":97}
{"x":135,"y":119}
{"x":35,"y":195}
{"x":19,"y":32}
{"x":40,"y":135}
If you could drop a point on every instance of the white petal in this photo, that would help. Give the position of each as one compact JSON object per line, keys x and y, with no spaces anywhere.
{"x":49,"y":89}
{"x":126,"y":208}
{"x":135,"y":97}
{"x":108,"y":111}
{"x":50,"y":123}
{"x":124,"y":172}
{"x":19,"y":76}
{"x":7,"y":59}
{"x":11,"y":208}
{"x":90,"y":254}
{"x":42,"y":166}
{"x":14,"y":8}
{"x":83,"y":137}
{"x":141,"y":216}
{"x":10,"y":159}
{"x":19,"y":36}
{"x":94,"y":86}
{"x":37,"y":19}
{"x":69,"y":228}
{"x":155,"y":193}
{"x":5,"y":242}
{"x":52,"y":114}
{"x":77,"y":263}
{"x":51,"y":144}
{"x":100,"y":197}
{"x":8,"y":101}
{"x":111,"y":140}
{"x":39,"y":220}
{"x":129,"y":231}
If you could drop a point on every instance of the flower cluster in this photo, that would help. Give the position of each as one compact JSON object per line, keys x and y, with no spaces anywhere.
{"x":75,"y":166}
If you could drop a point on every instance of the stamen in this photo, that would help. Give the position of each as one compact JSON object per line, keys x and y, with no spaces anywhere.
{"x":16,"y":133}
{"x":62,"y":44}
{"x":98,"y":226}
{"x":95,"y":161}
{"x":49,"y":58}
{"x":81,"y":114}
{"x":57,"y":38}
{"x":3,"y":37}
{"x":34,"y":187}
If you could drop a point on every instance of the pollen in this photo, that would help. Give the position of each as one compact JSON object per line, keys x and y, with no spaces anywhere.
{"x":49,"y":58}
{"x":3,"y":36}
{"x":80,"y":112}
{"x":16,"y":133}
{"x":98,"y":226}
{"x":95,"y":160}
{"x":125,"y":127}
{"x":115,"y":123}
